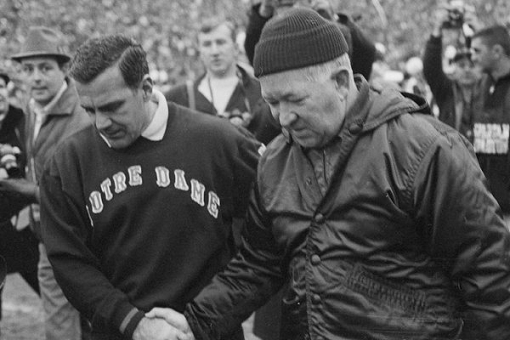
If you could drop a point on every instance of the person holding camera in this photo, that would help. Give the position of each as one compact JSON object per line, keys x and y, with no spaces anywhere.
{"x":454,"y":94}
{"x":18,"y":246}
{"x":12,"y":121}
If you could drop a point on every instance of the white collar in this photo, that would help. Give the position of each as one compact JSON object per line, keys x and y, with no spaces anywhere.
{"x":157,"y":127}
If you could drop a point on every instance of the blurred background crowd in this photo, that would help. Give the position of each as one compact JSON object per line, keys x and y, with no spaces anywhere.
{"x":400,"y":29}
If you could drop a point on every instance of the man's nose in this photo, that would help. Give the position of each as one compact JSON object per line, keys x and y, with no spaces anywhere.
{"x":286,"y":116}
{"x":36,"y":75}
{"x":102,"y":121}
{"x":214,"y":48}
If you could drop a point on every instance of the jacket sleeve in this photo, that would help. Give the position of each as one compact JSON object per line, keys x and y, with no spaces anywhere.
{"x":178,"y":94}
{"x":264,"y":126}
{"x":466,"y":234}
{"x":65,"y":230}
{"x":439,"y":83}
{"x":244,"y":286}
{"x":363,"y":48}
{"x":253,"y":30}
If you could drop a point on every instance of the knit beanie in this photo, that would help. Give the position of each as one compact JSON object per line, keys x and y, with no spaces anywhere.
{"x":298,"y":38}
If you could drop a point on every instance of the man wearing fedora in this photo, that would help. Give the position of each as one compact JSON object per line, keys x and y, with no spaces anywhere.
{"x":53,"y":113}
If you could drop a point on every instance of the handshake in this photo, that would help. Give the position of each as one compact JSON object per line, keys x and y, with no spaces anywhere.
{"x":163,"y":324}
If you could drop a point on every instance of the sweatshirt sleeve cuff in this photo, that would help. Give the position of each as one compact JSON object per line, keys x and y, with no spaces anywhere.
{"x":130,"y":322}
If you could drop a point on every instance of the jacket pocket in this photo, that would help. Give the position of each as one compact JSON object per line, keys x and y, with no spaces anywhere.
{"x":386,"y":306}
{"x":382,"y":291}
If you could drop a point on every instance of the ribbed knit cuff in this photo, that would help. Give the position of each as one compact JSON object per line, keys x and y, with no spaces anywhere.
{"x":130,"y":322}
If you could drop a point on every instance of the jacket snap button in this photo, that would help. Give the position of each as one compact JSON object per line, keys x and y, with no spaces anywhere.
{"x":316,"y":298}
{"x":355,"y":128}
{"x":319,"y":218}
{"x":316,"y":259}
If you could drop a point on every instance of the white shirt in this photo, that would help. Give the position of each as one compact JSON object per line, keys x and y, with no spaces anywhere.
{"x":41,"y":112}
{"x":218,"y":91}
{"x":157,"y":127}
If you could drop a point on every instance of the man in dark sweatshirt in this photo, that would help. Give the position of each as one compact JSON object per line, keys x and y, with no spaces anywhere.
{"x":137,"y":210}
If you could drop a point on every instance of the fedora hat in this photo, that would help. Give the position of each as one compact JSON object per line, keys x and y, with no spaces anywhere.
{"x":42,"y":41}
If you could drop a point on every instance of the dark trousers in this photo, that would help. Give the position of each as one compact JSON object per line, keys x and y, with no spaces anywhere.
{"x":21,"y":253}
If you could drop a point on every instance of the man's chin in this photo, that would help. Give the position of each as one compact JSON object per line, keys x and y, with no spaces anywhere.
{"x":119,"y":143}
{"x":308,"y":143}
{"x":41,"y":97}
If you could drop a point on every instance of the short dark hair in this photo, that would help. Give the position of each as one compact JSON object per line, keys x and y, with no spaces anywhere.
{"x":98,"y":54}
{"x":495,"y":35}
{"x":211,"y":24}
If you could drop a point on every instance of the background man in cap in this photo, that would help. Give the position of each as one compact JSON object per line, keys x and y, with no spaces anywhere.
{"x":53,"y":114}
{"x":454,"y":94}
{"x":373,"y":214}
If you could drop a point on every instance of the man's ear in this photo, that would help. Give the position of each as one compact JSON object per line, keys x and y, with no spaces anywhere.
{"x":65,"y":67}
{"x":341,"y":78}
{"x":147,"y":86}
{"x":498,"y":50}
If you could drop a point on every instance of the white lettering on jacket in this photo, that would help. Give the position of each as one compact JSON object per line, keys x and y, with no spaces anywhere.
{"x":491,"y":138}
{"x":119,"y":182}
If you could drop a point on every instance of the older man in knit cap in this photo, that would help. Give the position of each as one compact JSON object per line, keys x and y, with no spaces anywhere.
{"x":373,"y":215}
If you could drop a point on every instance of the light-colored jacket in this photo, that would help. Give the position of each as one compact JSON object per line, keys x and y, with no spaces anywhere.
{"x":66,"y":118}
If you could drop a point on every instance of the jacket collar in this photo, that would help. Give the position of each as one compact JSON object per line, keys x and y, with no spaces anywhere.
{"x":244,"y":75}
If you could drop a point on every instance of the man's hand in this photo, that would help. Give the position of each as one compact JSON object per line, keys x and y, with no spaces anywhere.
{"x":21,"y":186}
{"x":174,"y":319}
{"x":440,"y":16}
{"x":267,"y":8}
{"x":471,"y":19}
{"x":158,"y":329}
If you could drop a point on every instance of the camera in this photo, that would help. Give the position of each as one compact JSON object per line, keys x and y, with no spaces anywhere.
{"x":11,"y":167}
{"x":9,"y":160}
{"x":456,"y":10}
